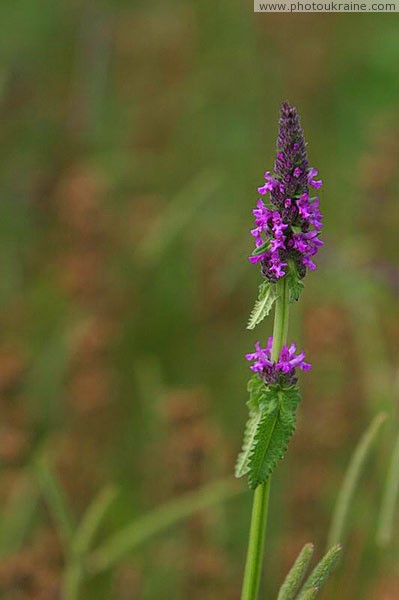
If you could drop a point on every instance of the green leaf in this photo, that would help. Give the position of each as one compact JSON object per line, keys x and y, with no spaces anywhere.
{"x":56,"y":500}
{"x":91,"y":521}
{"x":321,"y":572}
{"x":74,"y":569}
{"x":273,"y":433}
{"x":351,"y":480}
{"x":386,"y":525}
{"x":257,"y":391}
{"x":311,"y":593}
{"x":18,"y":515}
{"x":295,"y":283}
{"x":122,"y":543}
{"x":266,"y":297}
{"x":201,"y":190}
{"x":298,"y":571}
{"x":260,"y":249}
{"x":242,"y":464}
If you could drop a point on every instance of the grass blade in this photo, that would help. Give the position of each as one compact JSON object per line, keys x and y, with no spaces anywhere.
{"x":351,"y":480}
{"x":18,"y":515}
{"x":178,"y":215}
{"x":56,"y":501}
{"x":141,"y":529}
{"x":296,"y":574}
{"x":389,"y":500}
{"x":321,"y":573}
{"x":91,"y":520}
{"x":82,"y":540}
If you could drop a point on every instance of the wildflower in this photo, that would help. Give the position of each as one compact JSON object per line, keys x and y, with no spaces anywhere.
{"x":311,"y":179}
{"x":277,"y":372}
{"x":288,"y":227}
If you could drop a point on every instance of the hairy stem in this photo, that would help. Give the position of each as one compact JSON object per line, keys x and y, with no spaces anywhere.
{"x":280,"y":329}
{"x":253,"y":565}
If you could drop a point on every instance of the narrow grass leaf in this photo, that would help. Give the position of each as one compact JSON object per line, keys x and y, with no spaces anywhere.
{"x":56,"y":501}
{"x":82,"y":541}
{"x":297,"y":573}
{"x":266,"y":297}
{"x":351,"y":480}
{"x":91,"y":520}
{"x":386,"y":521}
{"x":121,"y":544}
{"x":18,"y":515}
{"x":181,"y":210}
{"x":321,"y":572}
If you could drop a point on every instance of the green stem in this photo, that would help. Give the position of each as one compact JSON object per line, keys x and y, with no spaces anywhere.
{"x":280,"y":329}
{"x":253,"y":566}
{"x":257,"y":533}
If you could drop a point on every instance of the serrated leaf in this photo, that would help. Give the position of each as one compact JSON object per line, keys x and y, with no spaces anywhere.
{"x":321,"y":572}
{"x":263,"y":459}
{"x":257,"y":392}
{"x":273,"y":433}
{"x":295,"y":283}
{"x":296,"y":574}
{"x":242,"y":466}
{"x":267,"y":295}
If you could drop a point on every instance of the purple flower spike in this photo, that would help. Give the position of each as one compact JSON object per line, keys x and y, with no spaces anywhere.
{"x":281,"y":372}
{"x":292,"y":221}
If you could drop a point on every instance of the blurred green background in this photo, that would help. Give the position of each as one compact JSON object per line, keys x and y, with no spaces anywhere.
{"x":134,"y":136}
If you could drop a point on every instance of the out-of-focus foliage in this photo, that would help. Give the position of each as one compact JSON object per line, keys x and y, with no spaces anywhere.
{"x":134,"y":137}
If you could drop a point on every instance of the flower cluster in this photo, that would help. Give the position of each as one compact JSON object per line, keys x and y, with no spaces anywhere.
{"x":288,"y":228}
{"x":281,"y":372}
